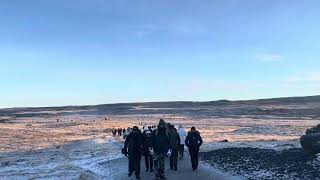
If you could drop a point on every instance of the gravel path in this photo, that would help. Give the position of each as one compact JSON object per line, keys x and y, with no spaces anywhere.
{"x":253,"y":163}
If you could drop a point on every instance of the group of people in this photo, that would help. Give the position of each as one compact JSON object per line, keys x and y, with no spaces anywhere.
{"x":118,"y":131}
{"x":157,"y":143}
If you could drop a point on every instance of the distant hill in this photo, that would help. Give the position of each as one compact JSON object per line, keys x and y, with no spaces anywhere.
{"x":288,"y":100}
{"x":284,"y":107}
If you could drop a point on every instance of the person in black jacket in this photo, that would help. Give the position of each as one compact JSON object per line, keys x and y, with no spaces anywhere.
{"x":147,"y":148}
{"x":160,"y":147}
{"x":133,"y":147}
{"x":193,"y":142}
{"x":174,"y":139}
{"x":119,"y":132}
{"x":114,"y":132}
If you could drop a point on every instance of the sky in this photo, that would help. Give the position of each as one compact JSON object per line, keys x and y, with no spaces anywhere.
{"x":79,"y":52}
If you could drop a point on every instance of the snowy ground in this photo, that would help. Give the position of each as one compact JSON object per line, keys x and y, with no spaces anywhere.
{"x":69,"y":161}
{"x":90,"y":159}
{"x":80,"y":147}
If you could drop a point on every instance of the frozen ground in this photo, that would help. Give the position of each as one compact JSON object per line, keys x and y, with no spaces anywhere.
{"x":25,"y":134}
{"x":75,"y":142}
{"x":69,"y":161}
{"x":260,"y":164}
{"x":88,"y":159}
{"x":80,"y":147}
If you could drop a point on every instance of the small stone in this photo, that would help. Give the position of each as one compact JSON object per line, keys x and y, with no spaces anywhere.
{"x":5,"y":163}
{"x":224,"y":141}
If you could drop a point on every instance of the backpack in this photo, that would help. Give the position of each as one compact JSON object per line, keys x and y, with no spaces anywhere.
{"x":194,"y":141}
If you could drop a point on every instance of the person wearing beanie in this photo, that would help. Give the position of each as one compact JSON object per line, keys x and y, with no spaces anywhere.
{"x":147,"y":149}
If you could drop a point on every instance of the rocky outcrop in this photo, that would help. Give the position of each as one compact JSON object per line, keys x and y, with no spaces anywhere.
{"x":310,"y":142}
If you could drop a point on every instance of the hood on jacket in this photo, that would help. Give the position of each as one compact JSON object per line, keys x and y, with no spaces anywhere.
{"x":162,"y":124}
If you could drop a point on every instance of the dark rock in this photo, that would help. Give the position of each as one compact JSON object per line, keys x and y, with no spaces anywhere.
{"x":87,"y":175}
{"x":310,"y":142}
{"x":4,"y":120}
{"x":224,"y":141}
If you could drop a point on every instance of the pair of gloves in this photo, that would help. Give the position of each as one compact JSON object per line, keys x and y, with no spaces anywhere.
{"x":169,"y":153}
{"x":124,"y":151}
{"x":151,"y":152}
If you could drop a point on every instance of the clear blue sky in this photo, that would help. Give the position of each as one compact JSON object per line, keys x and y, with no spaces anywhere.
{"x":74,"y":52}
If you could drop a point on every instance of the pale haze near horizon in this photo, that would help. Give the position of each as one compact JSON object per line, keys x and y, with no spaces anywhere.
{"x":55,"y":53}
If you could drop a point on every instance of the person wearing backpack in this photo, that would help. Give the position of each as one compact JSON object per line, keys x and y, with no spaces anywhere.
{"x":193,"y":142}
{"x":161,"y":148}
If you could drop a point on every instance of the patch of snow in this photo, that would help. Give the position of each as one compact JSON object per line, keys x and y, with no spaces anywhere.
{"x":93,"y":164}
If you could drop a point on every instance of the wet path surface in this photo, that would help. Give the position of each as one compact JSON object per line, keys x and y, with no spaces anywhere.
{"x":184,"y":171}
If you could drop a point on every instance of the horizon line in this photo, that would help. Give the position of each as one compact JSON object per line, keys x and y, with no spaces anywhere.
{"x":145,"y":102}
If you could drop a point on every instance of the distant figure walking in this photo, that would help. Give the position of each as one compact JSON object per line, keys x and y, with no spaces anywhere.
{"x":147,"y":149}
{"x":193,"y":142}
{"x":174,"y":139}
{"x":161,"y":147}
{"x":119,"y":132}
{"x":127,"y":133}
{"x":114,"y":131}
{"x":133,"y":147}
{"x":123,"y":132}
{"x":182,"y":134}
